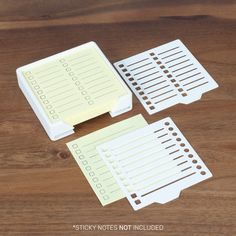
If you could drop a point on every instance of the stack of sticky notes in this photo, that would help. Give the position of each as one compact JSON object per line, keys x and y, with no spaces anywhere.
{"x":71,"y":87}
{"x":146,"y":163}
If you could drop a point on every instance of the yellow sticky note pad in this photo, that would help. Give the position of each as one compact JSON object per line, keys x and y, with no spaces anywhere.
{"x":92,"y":165}
{"x":72,"y":84}
{"x":72,"y":87}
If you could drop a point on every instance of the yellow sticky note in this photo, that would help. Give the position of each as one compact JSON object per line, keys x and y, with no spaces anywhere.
{"x":75,"y":86}
{"x":92,"y":165}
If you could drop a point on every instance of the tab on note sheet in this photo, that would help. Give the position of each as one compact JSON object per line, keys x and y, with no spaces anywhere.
{"x":95,"y":170}
{"x":153,"y":164}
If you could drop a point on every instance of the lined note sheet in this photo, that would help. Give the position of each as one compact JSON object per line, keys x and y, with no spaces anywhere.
{"x":154,"y":163}
{"x":75,"y":86}
{"x":164,"y":76}
{"x":95,"y":170}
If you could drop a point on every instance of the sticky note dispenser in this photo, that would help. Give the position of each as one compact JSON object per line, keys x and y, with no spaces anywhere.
{"x":115,"y":105}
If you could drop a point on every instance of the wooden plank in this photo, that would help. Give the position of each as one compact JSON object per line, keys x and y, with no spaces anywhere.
{"x":42,"y":190}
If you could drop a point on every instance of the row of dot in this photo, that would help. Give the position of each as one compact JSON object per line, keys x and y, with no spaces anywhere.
{"x":115,"y":167}
{"x":91,"y":173}
{"x":77,"y":83}
{"x":138,"y":88}
{"x":41,"y":95}
{"x":186,"y":150}
{"x":158,"y":62}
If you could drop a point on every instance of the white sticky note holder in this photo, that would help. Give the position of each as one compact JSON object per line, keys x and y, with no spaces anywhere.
{"x":61,"y":129}
{"x":153,"y":164}
{"x":165,"y":76}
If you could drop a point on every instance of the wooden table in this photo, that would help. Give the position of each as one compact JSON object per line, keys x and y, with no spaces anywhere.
{"x":42,"y":190}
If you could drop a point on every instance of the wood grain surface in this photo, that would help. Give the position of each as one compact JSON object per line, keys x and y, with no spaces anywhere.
{"x":42,"y":190}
